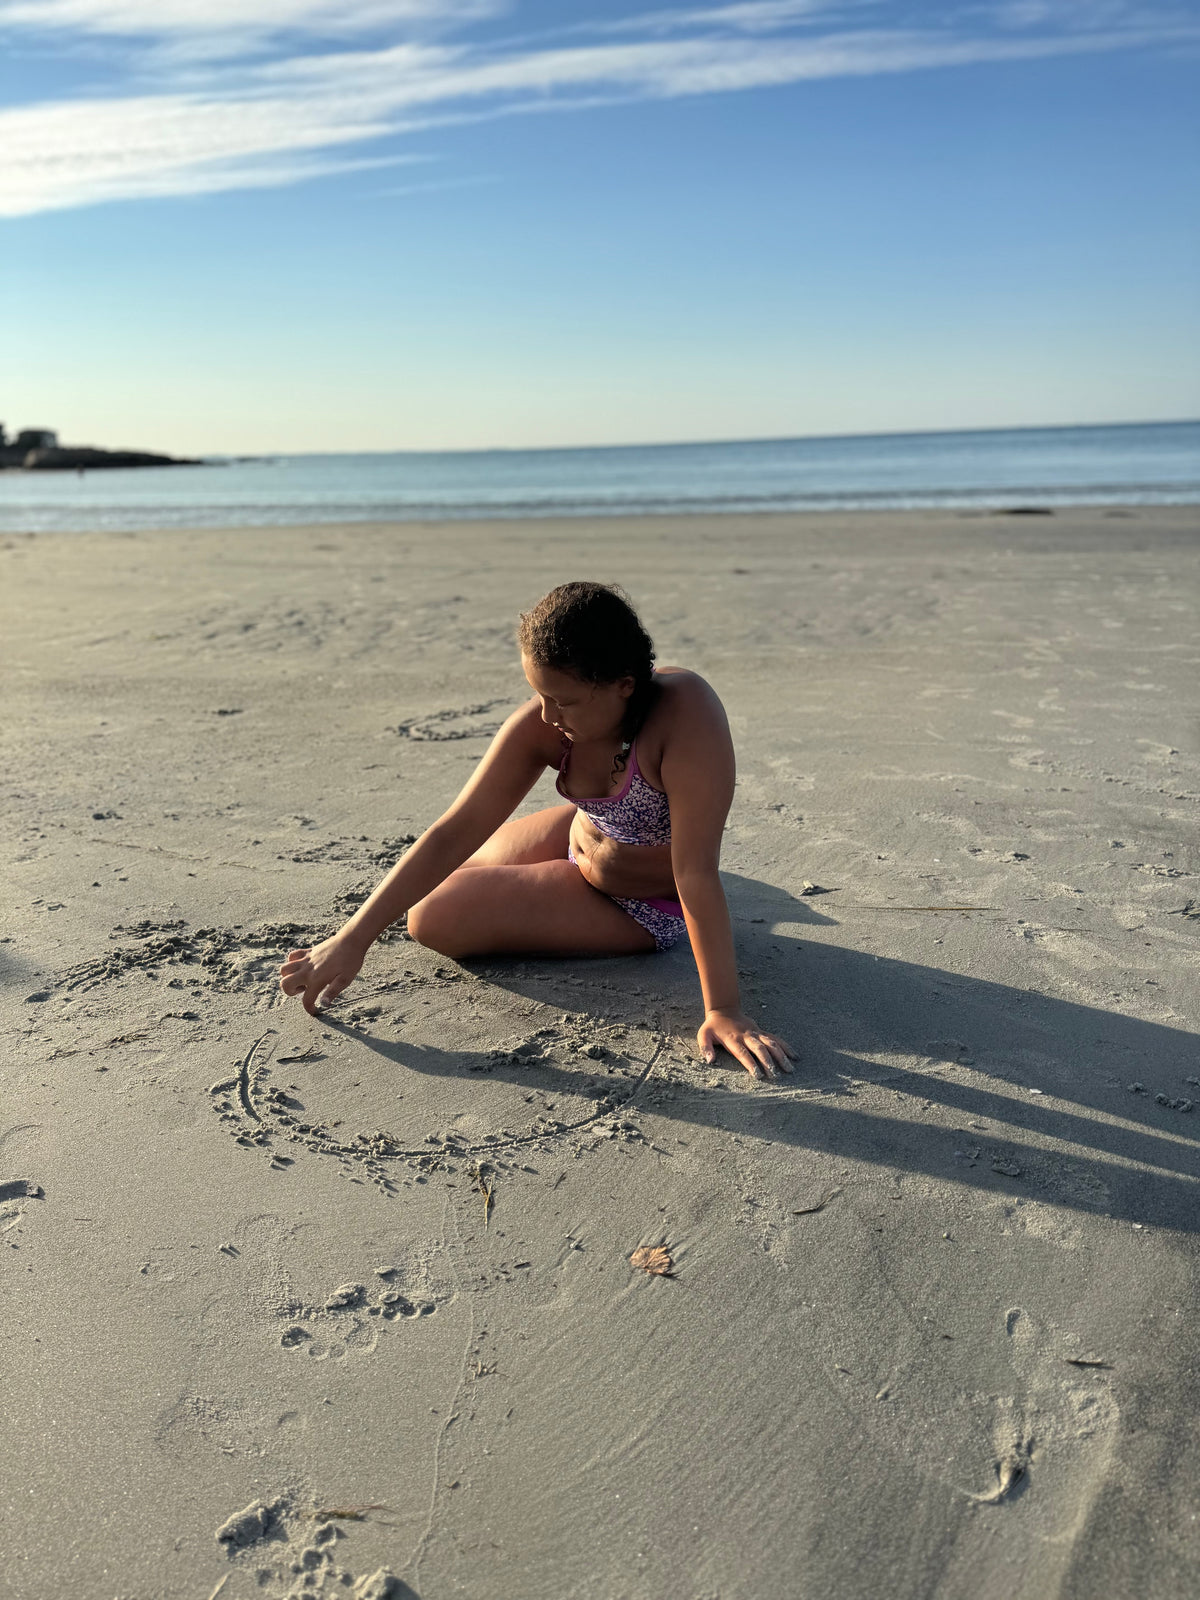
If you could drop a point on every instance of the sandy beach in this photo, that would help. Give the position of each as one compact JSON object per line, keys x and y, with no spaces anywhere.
{"x":301,"y":1307}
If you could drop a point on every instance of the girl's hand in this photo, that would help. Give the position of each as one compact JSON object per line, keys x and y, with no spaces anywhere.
{"x":762,"y":1054}
{"x":324,"y":971}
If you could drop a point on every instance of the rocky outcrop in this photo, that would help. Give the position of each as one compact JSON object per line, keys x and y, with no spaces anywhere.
{"x":77,"y":459}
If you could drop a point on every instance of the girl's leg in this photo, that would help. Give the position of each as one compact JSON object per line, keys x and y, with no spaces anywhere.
{"x":543,"y":907}
{"x":521,"y":840}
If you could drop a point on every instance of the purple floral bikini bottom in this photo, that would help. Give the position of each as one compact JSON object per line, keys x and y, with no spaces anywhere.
{"x":662,"y":919}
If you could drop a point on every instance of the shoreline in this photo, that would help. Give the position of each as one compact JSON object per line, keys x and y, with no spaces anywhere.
{"x":573,"y":522}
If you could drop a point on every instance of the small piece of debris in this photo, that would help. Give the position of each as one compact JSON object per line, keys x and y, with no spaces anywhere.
{"x":654,"y":1259}
{"x":346,"y":1513}
{"x":808,"y":1211}
{"x":808,"y":888}
{"x":1088,"y":1361}
{"x":1009,"y":1474}
{"x":1007,"y":1169}
{"x":480,"y":1174}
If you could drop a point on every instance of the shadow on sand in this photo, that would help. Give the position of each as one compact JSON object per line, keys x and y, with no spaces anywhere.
{"x":979,"y":1051}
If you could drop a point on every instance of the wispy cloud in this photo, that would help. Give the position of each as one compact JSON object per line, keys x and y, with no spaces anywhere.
{"x":747,"y":16}
{"x":298,"y":114}
{"x":84,"y":152}
{"x":1083,"y":14}
{"x":163,"y":38}
{"x":158,"y":18}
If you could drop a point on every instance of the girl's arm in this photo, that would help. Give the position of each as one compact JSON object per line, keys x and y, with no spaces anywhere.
{"x":698,"y":776}
{"x":515,"y":760}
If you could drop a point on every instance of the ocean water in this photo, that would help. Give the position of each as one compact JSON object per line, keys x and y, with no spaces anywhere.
{"x":1136,"y":464}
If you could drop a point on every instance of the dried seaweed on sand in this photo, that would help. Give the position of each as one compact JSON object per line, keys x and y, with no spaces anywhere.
{"x":654,"y":1259}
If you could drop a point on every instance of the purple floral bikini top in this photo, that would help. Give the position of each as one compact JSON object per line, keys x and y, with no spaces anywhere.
{"x":638,"y":814}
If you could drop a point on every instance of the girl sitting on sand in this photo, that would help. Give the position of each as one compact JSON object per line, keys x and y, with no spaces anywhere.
{"x":629,"y":865}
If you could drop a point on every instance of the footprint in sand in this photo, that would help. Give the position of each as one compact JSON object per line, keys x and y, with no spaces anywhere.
{"x":21,"y":1189}
{"x":325,"y":1335}
{"x":12,"y":1213}
{"x":342,"y":1320}
{"x":295,"y":1551}
{"x":12,"y":1192}
{"x":1017,"y":1325}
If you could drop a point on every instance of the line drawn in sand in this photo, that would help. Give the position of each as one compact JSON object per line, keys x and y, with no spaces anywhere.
{"x":268,"y":1109}
{"x":600,"y":1065}
{"x":595,"y":1065}
{"x":459,"y":722}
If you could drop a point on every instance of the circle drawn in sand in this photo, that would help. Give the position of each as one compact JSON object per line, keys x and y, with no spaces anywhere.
{"x":459,"y":722}
{"x":431,"y":1085}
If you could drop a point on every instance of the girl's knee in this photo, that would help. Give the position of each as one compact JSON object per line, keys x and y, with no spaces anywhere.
{"x":432,"y":922}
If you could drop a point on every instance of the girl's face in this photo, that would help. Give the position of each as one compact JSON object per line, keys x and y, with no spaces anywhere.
{"x":580,"y":710}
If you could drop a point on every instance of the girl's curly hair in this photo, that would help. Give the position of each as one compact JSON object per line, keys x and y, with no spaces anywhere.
{"x":592,"y":631}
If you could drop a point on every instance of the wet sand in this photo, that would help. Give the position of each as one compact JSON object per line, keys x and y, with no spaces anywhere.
{"x":346,"y":1306}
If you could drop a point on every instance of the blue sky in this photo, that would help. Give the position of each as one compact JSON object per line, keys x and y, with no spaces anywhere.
{"x":259,"y":225}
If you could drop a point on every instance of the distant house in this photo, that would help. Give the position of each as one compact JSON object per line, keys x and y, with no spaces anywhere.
{"x":36,"y":439}
{"x":38,"y":450}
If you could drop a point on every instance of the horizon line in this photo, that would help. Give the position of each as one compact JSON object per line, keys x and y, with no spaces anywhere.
{"x":674,"y":444}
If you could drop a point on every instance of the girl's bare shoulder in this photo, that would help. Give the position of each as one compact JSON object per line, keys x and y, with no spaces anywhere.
{"x":688,"y":714}
{"x":684,"y":693}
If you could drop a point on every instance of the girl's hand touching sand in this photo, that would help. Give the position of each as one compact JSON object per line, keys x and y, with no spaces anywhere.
{"x":324,"y":971}
{"x":762,"y":1054}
